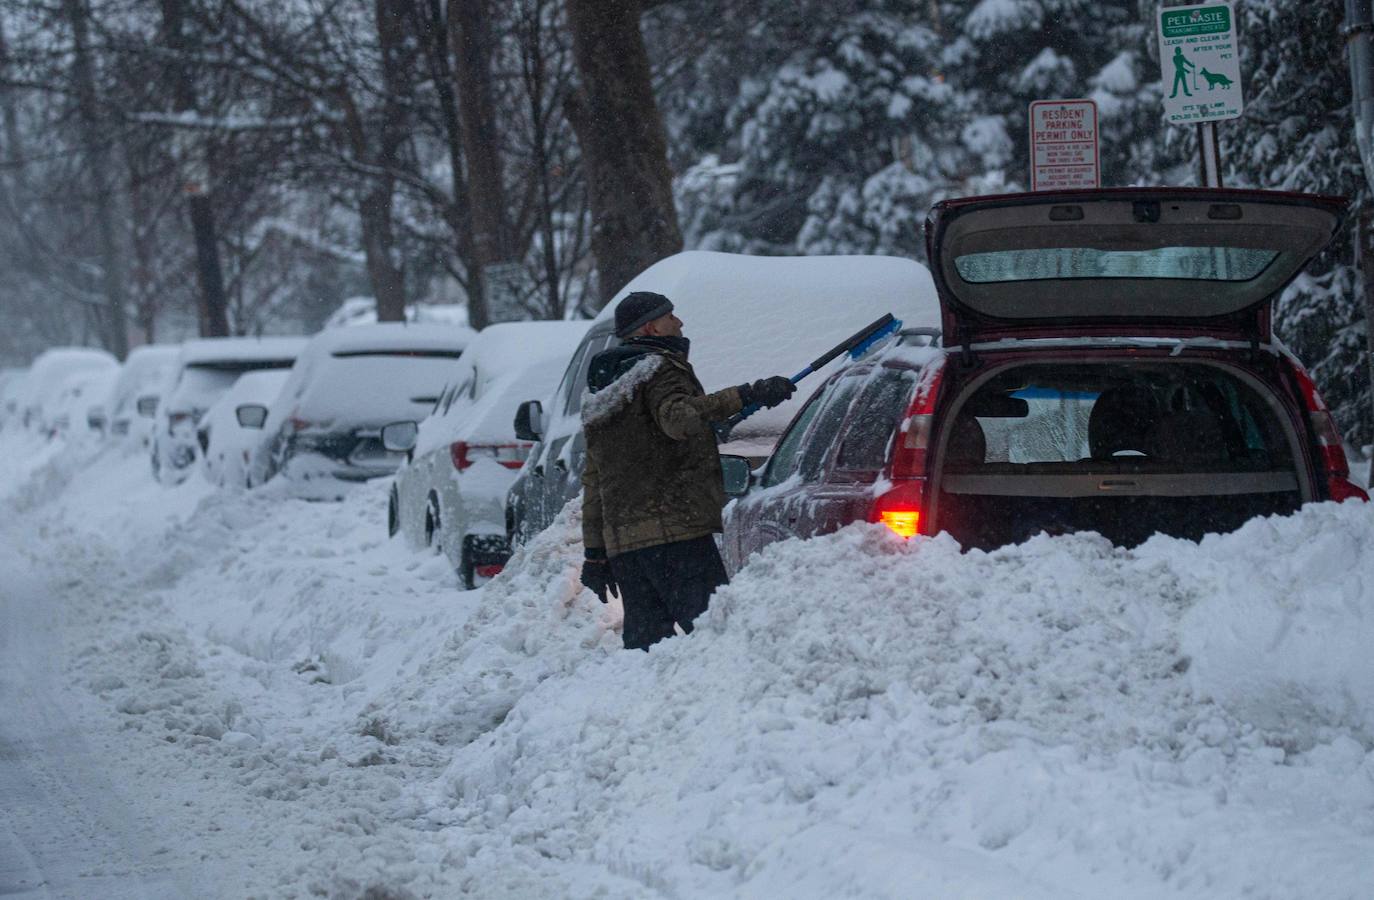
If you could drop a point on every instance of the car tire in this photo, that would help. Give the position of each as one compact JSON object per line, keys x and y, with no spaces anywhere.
{"x":432,"y":523}
{"x":467,"y":572}
{"x":393,"y":514}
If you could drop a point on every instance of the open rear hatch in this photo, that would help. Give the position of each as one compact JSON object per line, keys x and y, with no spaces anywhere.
{"x":1125,"y":262}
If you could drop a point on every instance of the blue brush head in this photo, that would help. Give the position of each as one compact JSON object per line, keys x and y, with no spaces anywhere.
{"x":890,"y":328}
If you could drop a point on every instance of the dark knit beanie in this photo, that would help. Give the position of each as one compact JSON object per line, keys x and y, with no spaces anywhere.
{"x":639,"y":309}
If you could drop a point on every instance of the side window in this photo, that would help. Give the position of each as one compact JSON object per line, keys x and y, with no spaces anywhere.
{"x":571,"y":377}
{"x":877,"y":414}
{"x":594,"y":346}
{"x":827,"y":427}
{"x":783,"y":462}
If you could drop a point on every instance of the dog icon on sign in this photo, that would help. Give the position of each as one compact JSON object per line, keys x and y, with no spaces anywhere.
{"x":1215,"y":80}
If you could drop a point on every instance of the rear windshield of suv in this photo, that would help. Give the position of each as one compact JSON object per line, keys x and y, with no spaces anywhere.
{"x":1175,"y":263}
{"x":1168,"y":418}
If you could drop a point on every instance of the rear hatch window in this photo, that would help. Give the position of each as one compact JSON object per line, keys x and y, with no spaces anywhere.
{"x":1124,"y":450}
{"x":1130,"y":261}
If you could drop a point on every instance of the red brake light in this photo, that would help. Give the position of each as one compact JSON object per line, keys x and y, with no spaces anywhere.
{"x":913,"y":437}
{"x":487,"y":571}
{"x":1331,"y":453}
{"x":464,"y":455}
{"x":900,"y":507}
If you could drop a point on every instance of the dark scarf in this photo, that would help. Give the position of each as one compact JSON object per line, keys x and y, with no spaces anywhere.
{"x":671,"y":344}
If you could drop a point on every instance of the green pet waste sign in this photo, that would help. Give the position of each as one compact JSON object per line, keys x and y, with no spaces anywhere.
{"x":1199,"y":58}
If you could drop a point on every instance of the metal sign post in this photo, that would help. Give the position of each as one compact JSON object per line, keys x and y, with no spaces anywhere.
{"x":1064,"y":145}
{"x":1199,"y":59}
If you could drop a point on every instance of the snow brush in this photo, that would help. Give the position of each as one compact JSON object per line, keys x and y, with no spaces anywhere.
{"x":855,"y":345}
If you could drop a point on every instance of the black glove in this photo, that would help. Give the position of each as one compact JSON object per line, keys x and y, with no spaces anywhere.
{"x":596,"y":574}
{"x":767,"y":392}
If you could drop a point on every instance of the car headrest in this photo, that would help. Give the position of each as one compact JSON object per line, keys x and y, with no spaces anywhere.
{"x":1124,"y":418}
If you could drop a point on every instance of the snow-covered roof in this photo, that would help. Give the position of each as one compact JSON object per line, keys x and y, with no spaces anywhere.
{"x":749,"y":317}
{"x":384,"y":336}
{"x":145,"y":367}
{"x":52,"y":367}
{"x":510,"y":362}
{"x":206,"y":351}
{"x":363,"y":311}
{"x":512,"y":346}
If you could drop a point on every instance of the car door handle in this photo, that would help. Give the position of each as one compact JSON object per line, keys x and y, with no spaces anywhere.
{"x":560,"y":466}
{"x":538,"y":471}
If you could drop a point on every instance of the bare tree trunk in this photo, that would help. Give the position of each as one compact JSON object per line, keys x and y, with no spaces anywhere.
{"x":214,"y":319}
{"x":379,"y":242}
{"x":437,"y":47}
{"x":532,"y":63}
{"x":383,"y":153}
{"x":470,"y":32}
{"x":624,"y":149}
{"x":98,"y":164}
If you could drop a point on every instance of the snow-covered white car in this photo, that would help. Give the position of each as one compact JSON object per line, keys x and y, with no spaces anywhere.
{"x":37,"y":398}
{"x":451,"y":495}
{"x":82,"y":401}
{"x":144,"y":374}
{"x":231,"y":429}
{"x":205,"y":370}
{"x":324,"y":430}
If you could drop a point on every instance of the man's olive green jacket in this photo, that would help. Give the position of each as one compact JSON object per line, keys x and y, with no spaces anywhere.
{"x":652,"y":473}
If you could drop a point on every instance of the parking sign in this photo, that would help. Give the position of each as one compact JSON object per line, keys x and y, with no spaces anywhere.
{"x":1199,"y":58}
{"x":1063,"y":140}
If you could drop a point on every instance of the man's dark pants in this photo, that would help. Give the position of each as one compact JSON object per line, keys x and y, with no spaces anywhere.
{"x":665,"y":584}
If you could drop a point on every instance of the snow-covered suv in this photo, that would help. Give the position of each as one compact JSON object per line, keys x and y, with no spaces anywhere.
{"x":1108,"y":365}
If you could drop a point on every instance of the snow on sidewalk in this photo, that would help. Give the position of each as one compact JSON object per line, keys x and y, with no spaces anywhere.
{"x":856,"y":716}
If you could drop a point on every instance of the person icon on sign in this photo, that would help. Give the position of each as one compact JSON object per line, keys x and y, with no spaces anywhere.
{"x":1181,"y":67}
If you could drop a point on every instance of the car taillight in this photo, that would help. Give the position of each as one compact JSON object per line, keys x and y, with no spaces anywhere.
{"x":296,"y":423}
{"x":487,"y":571}
{"x":899,"y":507}
{"x":464,"y":454}
{"x":1330,"y":451}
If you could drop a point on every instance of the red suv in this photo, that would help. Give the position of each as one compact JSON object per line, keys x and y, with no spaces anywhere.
{"x":1107,"y":365}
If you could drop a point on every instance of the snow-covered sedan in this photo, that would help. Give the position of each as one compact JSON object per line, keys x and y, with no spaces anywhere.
{"x":451,"y":495}
{"x":144,"y":374}
{"x":205,"y":370}
{"x":231,"y":430}
{"x":324,"y":430}
{"x":40,"y":389}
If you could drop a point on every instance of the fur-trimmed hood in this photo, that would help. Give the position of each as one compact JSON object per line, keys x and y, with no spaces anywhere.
{"x":621,"y":375}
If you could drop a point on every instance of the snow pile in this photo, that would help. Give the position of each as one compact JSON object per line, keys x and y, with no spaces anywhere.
{"x":855,"y":716}
{"x":1031,"y":722}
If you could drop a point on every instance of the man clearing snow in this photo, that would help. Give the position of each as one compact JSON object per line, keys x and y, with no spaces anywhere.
{"x":652,"y":489}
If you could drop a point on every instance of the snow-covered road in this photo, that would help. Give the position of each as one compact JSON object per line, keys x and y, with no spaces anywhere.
{"x":69,"y":831}
{"x":263,"y":697}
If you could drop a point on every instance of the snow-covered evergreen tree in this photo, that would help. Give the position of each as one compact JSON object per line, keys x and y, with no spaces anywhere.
{"x":1297,"y":134}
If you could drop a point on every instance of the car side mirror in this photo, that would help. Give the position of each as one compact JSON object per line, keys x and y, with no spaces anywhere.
{"x":529,"y":421}
{"x":251,"y":415}
{"x":399,"y":437}
{"x":147,"y":406}
{"x":737,"y":474}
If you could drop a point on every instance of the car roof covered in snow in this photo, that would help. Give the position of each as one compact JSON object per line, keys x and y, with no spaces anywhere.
{"x":211,"y":351}
{"x":381,"y":337}
{"x":371,"y":374}
{"x":749,"y":317}
{"x":511,"y":362}
{"x":52,"y":367}
{"x":145,"y":367}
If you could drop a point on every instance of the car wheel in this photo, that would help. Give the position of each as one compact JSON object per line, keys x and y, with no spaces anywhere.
{"x":467,"y":575}
{"x":393,"y":514}
{"x":432,"y":522}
